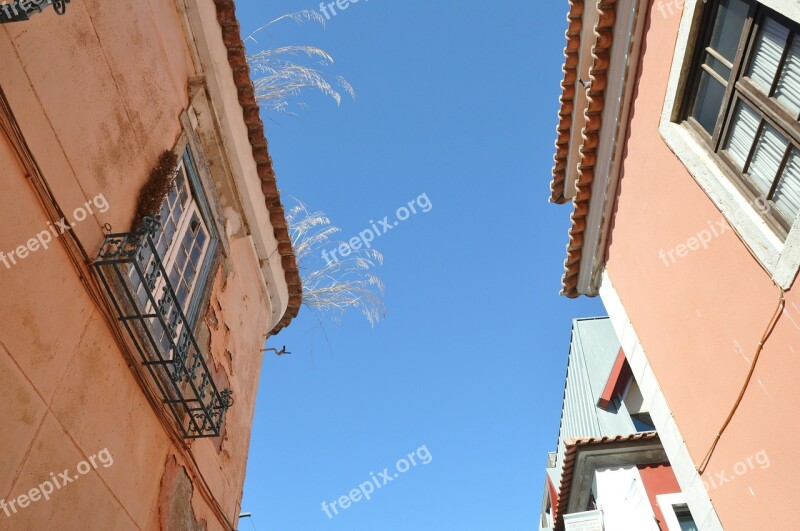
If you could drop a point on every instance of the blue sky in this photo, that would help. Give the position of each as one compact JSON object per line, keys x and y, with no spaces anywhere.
{"x":458,"y":102}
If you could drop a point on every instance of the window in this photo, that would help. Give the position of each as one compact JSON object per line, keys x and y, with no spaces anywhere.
{"x":677,"y":515}
{"x":185,"y":244}
{"x":684,"y":517}
{"x":744,"y":102}
{"x":642,"y":422}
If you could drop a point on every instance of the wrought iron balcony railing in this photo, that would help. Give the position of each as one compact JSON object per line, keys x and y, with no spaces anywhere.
{"x":140,"y":290}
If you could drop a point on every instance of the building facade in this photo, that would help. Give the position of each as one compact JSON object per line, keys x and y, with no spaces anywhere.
{"x":678,"y":150}
{"x":144,"y":260}
{"x":610,"y":470}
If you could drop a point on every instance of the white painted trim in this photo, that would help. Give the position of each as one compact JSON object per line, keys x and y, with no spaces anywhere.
{"x":655,"y":402}
{"x":667,"y":502}
{"x":625,"y":52}
{"x":780,"y":259}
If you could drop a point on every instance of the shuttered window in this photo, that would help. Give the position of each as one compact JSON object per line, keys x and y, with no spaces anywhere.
{"x":745,"y":102}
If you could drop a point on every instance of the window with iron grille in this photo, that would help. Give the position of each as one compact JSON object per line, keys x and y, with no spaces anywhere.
{"x":744,"y":102}
{"x":185,"y":243}
{"x":156,"y":277}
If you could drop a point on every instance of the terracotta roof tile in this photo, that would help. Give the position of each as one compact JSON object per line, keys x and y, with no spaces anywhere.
{"x":573,"y":446}
{"x":565,"y":113}
{"x":226,"y":16}
{"x":604,"y":32}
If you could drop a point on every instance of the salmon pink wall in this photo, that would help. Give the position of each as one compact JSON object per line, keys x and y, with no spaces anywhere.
{"x":700,"y":319}
{"x":98,"y":94}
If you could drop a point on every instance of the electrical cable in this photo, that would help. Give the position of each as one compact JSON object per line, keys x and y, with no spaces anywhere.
{"x":701,"y":468}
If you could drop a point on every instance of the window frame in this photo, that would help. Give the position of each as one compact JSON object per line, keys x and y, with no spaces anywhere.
{"x":202,"y":287}
{"x":196,"y":202}
{"x":672,"y":507}
{"x":740,"y":88}
{"x":779,"y":257}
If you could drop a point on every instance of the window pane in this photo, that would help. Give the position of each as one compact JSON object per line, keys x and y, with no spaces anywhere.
{"x":196,"y":254}
{"x":788,"y":90}
{"x":183,"y":291}
{"x":708,"y":102}
{"x":767,"y":54}
{"x":728,"y":27}
{"x":687,"y":523}
{"x":787,"y":194}
{"x":180,"y":259}
{"x":767,"y":158}
{"x":744,"y":125}
{"x":718,"y":66}
{"x":180,"y":186}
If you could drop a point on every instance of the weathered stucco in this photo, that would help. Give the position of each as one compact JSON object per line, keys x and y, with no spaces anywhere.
{"x":98,"y":94}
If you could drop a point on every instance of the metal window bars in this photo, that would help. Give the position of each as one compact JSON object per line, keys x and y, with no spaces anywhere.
{"x":140,"y":290}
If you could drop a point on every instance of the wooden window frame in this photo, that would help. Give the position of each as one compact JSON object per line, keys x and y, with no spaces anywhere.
{"x":739,"y":87}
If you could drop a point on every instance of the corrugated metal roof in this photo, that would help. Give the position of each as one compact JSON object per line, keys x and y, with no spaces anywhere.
{"x":593,"y":349}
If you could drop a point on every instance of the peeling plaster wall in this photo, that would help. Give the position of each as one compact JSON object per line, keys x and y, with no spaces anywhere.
{"x":98,"y":94}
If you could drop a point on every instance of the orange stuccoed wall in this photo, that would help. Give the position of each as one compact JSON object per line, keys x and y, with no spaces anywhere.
{"x":98,"y":94}
{"x":701,"y":318}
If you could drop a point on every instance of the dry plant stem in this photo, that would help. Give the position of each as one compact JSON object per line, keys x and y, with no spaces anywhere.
{"x":334,"y":286}
{"x":278,"y":76}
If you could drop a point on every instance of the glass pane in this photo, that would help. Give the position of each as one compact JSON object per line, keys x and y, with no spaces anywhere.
{"x":687,"y":524}
{"x":181,"y":186}
{"x":787,"y":193}
{"x":180,"y":259}
{"x":196,"y":254}
{"x":728,"y":27}
{"x":767,"y":54}
{"x":744,"y":126}
{"x":189,"y":274}
{"x":708,"y":102}
{"x":767,"y":158}
{"x":718,"y":66}
{"x":164,"y":212}
{"x":183,"y":291}
{"x":788,"y":89}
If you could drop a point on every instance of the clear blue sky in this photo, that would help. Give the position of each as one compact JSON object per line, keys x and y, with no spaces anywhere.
{"x":458,"y":102}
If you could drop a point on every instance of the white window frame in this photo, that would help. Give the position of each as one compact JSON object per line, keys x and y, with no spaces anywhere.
{"x":779,"y":258}
{"x":667,"y":503}
{"x":189,"y":209}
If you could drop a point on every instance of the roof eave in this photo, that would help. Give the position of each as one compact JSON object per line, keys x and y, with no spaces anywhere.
{"x":231,"y":36}
{"x":593,"y":116}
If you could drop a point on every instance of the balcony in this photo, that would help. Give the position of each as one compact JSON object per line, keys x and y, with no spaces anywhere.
{"x":140,"y":291}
